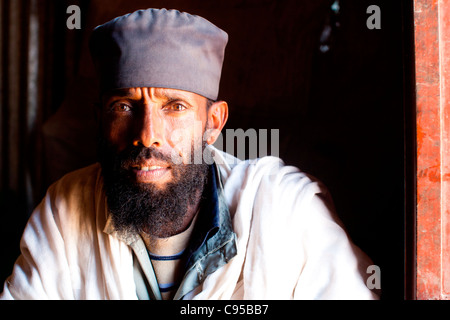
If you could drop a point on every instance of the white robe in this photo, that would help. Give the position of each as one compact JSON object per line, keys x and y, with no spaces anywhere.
{"x":290,"y":244}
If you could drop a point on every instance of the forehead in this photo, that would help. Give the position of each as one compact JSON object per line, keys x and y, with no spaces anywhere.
{"x":165,"y":94}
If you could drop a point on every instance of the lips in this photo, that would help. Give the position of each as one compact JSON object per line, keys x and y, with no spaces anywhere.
{"x":148,"y":172}
{"x":146,"y":168}
{"x":150,"y":164}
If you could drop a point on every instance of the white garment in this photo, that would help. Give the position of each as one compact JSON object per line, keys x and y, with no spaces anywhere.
{"x":289,"y":243}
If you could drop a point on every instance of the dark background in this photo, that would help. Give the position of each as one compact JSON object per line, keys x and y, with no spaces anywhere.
{"x":343,"y":113}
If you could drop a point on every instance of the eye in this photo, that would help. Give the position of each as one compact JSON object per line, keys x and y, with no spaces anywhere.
{"x":177,"y":107}
{"x":120,"y":107}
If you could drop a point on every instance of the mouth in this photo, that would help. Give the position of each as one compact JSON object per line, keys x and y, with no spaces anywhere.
{"x":146,"y":168}
{"x":144,"y":173}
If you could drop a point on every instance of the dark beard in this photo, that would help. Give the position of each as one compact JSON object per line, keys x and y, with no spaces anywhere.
{"x":138,"y":208}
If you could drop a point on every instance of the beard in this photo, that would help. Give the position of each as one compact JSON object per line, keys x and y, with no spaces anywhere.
{"x":145,"y":207}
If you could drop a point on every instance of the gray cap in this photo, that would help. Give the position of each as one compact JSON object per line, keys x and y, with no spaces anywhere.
{"x":159,"y":48}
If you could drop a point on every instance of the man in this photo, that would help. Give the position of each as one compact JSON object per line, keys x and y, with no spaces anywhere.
{"x":164,"y":215}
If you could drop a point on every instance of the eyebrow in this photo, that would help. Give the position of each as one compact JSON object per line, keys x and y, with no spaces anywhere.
{"x":162,"y":93}
{"x":172,"y":95}
{"x":123,"y":92}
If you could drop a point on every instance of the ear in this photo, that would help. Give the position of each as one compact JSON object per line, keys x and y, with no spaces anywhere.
{"x":217,"y":117}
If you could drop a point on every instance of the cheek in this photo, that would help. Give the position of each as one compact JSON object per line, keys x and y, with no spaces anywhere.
{"x":183,"y":135}
{"x":116,"y":131}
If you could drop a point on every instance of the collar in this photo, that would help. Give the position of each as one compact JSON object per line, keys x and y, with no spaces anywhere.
{"x":213,"y":218}
{"x":213,"y":242}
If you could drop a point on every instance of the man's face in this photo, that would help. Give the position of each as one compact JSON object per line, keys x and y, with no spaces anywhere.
{"x":149,"y":138}
{"x":169,"y":121}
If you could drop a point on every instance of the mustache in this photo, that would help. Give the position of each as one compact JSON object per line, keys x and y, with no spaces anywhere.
{"x":121,"y":161}
{"x":136,"y":155}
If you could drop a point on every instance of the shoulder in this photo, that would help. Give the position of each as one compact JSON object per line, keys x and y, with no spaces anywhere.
{"x":75,"y":199}
{"x":267,"y":175}
{"x":83,"y":178}
{"x":287,"y":221}
{"x":267,"y":189}
{"x":77,"y":186}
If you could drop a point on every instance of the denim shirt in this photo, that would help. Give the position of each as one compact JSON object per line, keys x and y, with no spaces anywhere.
{"x":212,"y":245}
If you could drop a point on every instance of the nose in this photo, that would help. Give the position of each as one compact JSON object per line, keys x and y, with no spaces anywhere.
{"x":149,"y":129}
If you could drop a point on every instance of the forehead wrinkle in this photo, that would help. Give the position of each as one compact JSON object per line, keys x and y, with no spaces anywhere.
{"x":121,"y":92}
{"x":139,"y":93}
{"x":153,"y":94}
{"x":171,"y":94}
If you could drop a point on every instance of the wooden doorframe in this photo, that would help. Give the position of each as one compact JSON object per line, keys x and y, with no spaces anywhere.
{"x":431,"y":274}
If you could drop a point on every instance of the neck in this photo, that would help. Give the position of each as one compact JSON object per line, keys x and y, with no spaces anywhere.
{"x":169,"y":245}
